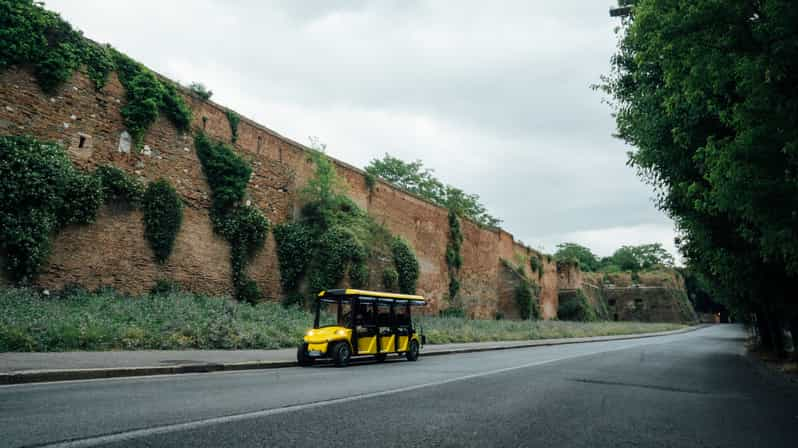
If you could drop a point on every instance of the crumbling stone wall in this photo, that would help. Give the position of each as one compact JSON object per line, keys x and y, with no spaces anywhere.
{"x":113,"y":250}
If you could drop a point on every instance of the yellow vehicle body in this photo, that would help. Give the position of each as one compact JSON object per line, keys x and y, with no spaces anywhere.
{"x":319,"y":339}
{"x":374,"y":323}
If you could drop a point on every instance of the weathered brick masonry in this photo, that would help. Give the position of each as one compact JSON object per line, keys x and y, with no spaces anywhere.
{"x":113,"y":251}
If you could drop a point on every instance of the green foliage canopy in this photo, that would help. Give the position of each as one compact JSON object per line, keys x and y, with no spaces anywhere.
{"x":413,"y":177}
{"x":704,"y":90}
{"x":588,"y":261}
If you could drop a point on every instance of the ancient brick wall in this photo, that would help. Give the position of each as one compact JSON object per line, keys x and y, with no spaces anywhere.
{"x":113,"y":250}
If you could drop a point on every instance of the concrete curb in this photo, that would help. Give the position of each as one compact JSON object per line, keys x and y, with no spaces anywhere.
{"x":38,"y":376}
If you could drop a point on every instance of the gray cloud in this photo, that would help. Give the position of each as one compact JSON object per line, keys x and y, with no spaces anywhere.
{"x":493,"y":95}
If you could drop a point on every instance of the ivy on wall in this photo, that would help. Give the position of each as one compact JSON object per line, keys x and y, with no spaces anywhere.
{"x":334,"y":239}
{"x":406,"y":265}
{"x":40,"y":193}
{"x":243,"y":226}
{"x":536,"y":265}
{"x":163,"y":216}
{"x":576,"y":308}
{"x":526,"y":293}
{"x":233,"y":119}
{"x":454,"y":260}
{"x":33,"y":36}
{"x":119,"y":186}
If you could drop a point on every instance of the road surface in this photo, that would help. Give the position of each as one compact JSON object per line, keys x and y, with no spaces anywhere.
{"x":693,"y":390}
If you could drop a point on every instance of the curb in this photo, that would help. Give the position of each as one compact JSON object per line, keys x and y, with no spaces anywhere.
{"x":39,"y":376}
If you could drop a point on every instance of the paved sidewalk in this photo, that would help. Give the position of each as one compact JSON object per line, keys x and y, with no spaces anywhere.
{"x":34,"y":367}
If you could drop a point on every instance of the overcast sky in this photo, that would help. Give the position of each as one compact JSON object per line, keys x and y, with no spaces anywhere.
{"x":494,"y":96}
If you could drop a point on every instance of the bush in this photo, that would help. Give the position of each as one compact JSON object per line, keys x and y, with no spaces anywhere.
{"x":337,"y":250}
{"x":576,"y":308}
{"x":293,"y":253}
{"x":163,"y":216}
{"x":165,"y":287}
{"x":359,"y":275}
{"x":82,"y":197}
{"x":248,"y":291}
{"x":536,"y":265}
{"x":233,"y":119}
{"x":245,"y":228}
{"x":390,"y":279}
{"x":406,"y":265}
{"x":40,"y":193}
{"x":200,"y":90}
{"x":227,"y":173}
{"x":119,"y":186}
{"x":146,"y":95}
{"x":523,"y":300}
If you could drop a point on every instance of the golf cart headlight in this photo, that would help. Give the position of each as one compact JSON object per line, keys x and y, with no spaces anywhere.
{"x":340,"y":332}
{"x":310,"y":333}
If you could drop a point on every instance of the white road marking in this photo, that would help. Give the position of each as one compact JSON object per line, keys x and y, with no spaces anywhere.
{"x":165,"y":429}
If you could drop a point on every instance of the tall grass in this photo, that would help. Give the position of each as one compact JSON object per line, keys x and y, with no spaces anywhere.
{"x":109,"y":321}
{"x":444,"y":330}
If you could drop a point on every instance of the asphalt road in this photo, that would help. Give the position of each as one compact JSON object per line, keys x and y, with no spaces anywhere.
{"x":694,"y":390}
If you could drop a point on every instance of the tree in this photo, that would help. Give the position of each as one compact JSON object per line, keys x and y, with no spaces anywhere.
{"x":705,"y":91}
{"x":413,"y":177}
{"x":588,"y":261}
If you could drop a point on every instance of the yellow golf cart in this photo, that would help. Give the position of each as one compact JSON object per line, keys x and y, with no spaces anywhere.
{"x":358,"y":323}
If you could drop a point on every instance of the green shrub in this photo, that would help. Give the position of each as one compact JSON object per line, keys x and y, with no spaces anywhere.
{"x":576,"y":308}
{"x":119,"y":186}
{"x":40,"y":193}
{"x":165,"y":287}
{"x":233,"y":119}
{"x":390,"y":279}
{"x":359,"y":275}
{"x":406,"y":265}
{"x":226,"y":172}
{"x":334,"y":237}
{"x":294,"y":242}
{"x":536,"y":265}
{"x":82,"y":197}
{"x":200,"y":90}
{"x":248,"y":291}
{"x":245,"y":228}
{"x":99,"y":63}
{"x":454,"y":288}
{"x":337,"y":251}
{"x":523,"y":300}
{"x":371,"y":182}
{"x":163,"y":216}
{"x":146,"y":95}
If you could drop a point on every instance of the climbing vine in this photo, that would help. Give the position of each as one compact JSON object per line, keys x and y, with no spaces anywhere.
{"x":233,"y":119}
{"x":33,"y":36}
{"x":163,"y":216}
{"x":243,"y":226}
{"x":333,"y":239}
{"x":536,"y":265}
{"x":118,"y":186}
{"x":454,"y":260}
{"x":406,"y":265}
{"x":40,"y":193}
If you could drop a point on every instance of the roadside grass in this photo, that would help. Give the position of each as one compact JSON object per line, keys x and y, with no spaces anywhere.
{"x":444,"y":330}
{"x":78,"y":320}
